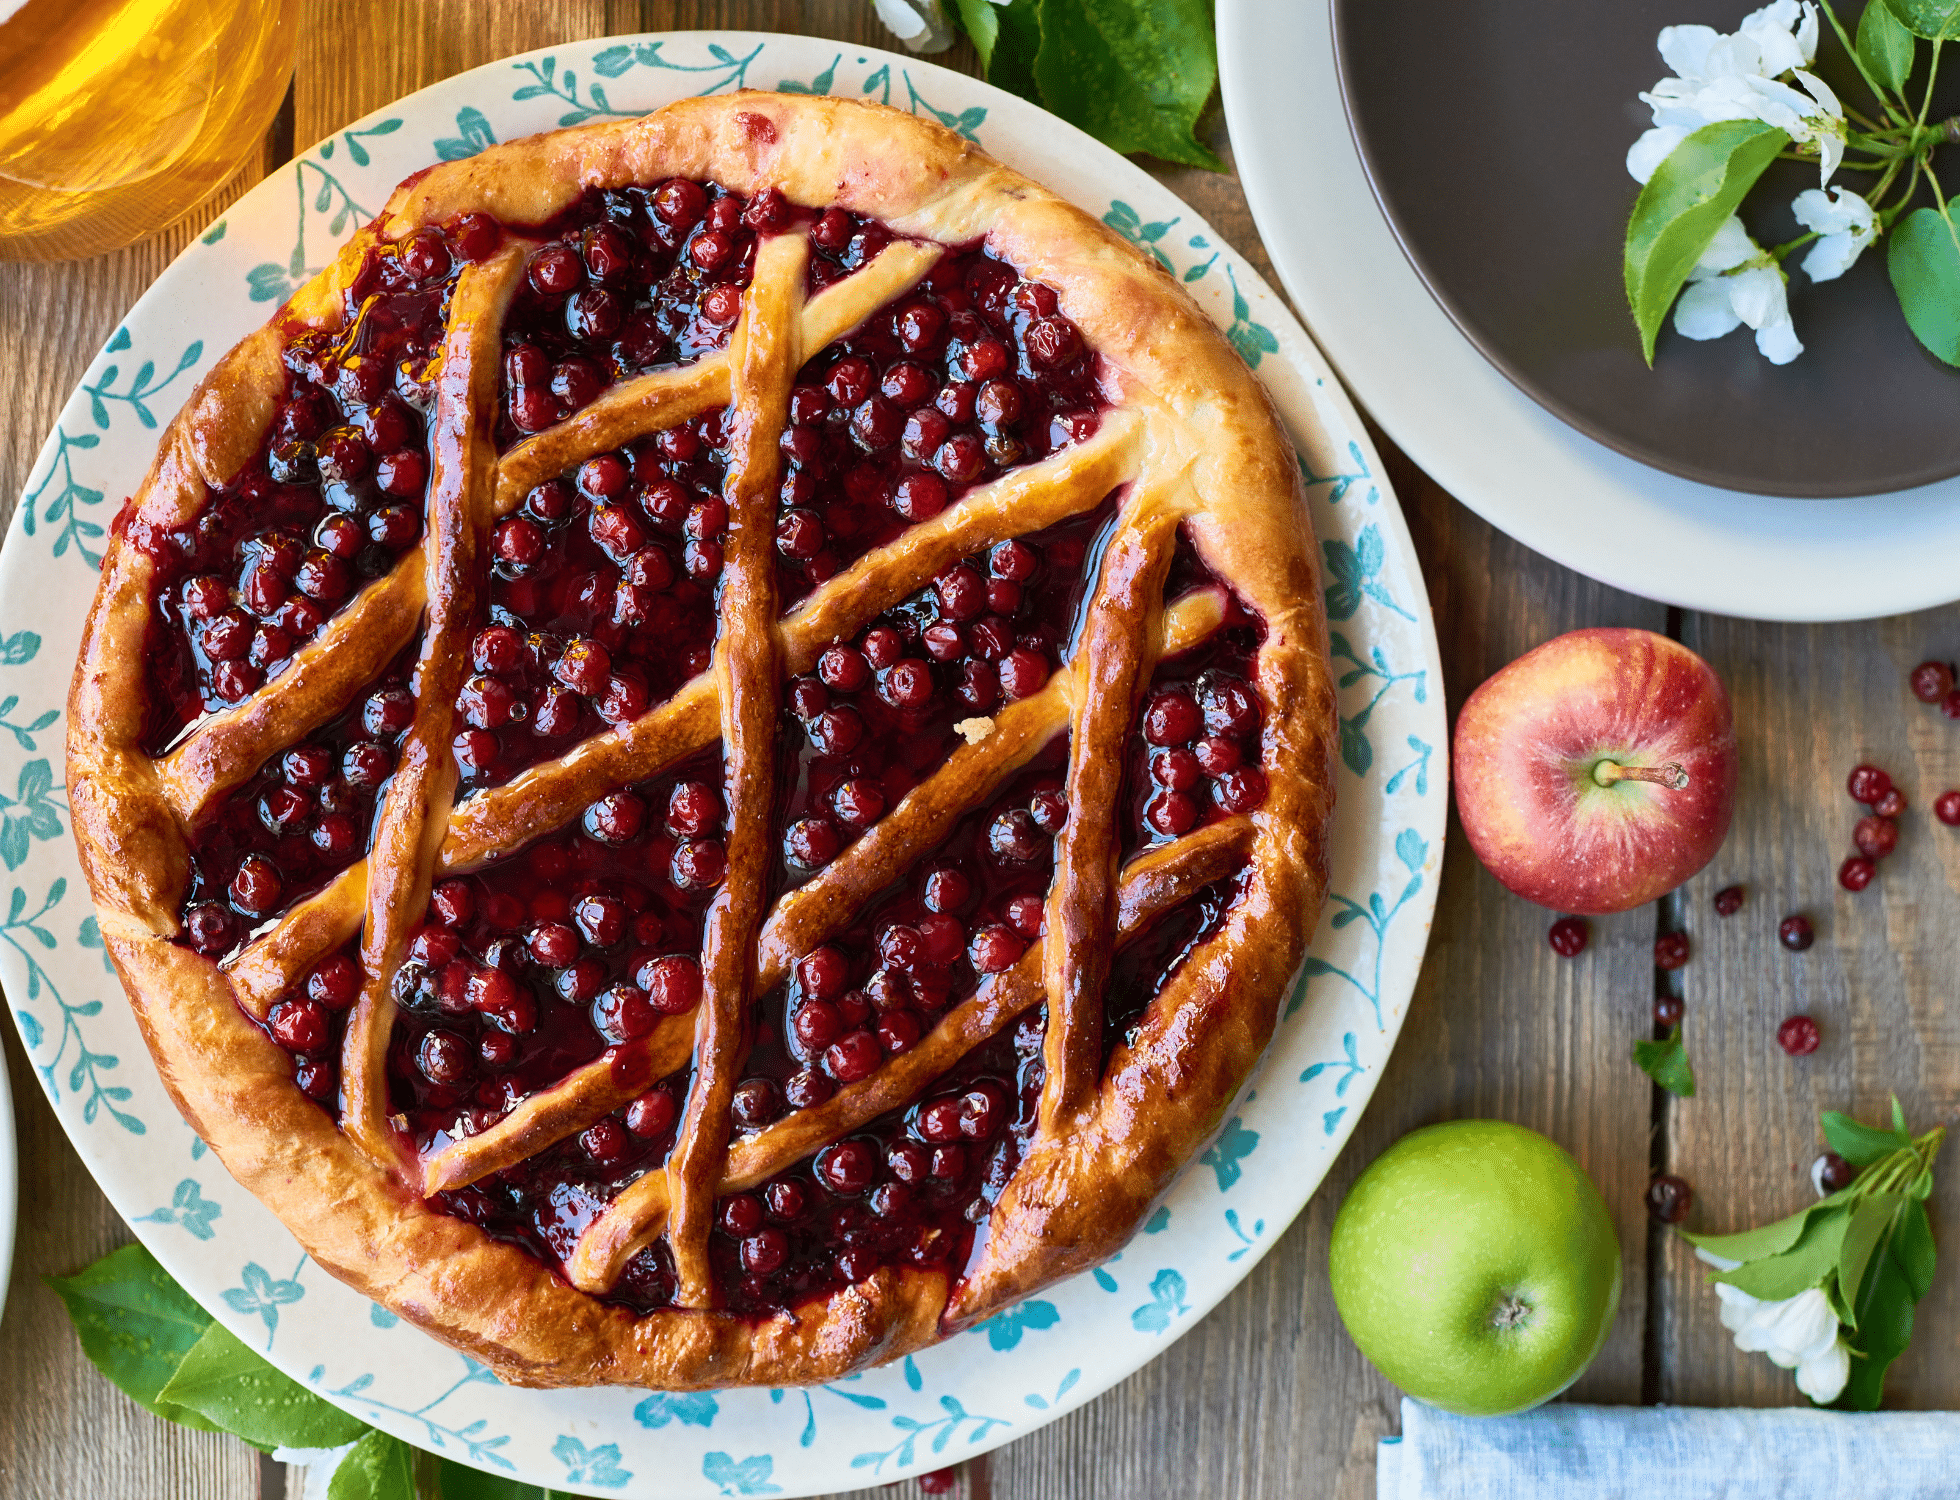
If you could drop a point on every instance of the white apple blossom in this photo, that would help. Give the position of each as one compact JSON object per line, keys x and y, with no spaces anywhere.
{"x":920,"y":24}
{"x":1736,"y":281}
{"x":1799,"y":1333}
{"x":1845,"y":225}
{"x":1720,"y":76}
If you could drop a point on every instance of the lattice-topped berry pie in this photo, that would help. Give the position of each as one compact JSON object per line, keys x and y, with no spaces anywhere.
{"x":709,"y":759}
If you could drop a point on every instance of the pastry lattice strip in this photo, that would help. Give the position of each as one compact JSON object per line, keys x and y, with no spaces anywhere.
{"x":804,"y":918}
{"x":333,"y":669}
{"x":1154,"y":883}
{"x":501,"y":819}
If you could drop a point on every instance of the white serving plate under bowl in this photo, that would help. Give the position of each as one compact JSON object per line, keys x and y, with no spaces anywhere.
{"x":1485,"y":441}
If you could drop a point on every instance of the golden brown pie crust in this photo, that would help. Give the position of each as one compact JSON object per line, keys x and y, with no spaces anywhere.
{"x":1210,"y":456}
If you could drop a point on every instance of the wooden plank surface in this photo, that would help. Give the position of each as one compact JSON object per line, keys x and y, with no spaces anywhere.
{"x":1266,"y":1397}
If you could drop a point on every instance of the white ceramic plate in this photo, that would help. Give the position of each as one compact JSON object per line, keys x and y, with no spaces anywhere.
{"x":1022,"y":1368}
{"x":1488,"y":443}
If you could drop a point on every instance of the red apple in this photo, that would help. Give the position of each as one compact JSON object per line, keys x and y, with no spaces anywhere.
{"x":1598,"y":771}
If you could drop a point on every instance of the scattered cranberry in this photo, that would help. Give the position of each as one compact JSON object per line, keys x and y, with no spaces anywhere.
{"x":1867,"y":784}
{"x":1931,"y":681}
{"x":1795,"y":933}
{"x":1856,"y":873}
{"x":1831,"y":1173}
{"x":1670,"y":950}
{"x":939,"y":1482}
{"x":1891,"y":805}
{"x":1669,"y":1199}
{"x":1875,"y":837}
{"x":1568,"y":936}
{"x":1946,"y":807}
{"x":1950,"y":704}
{"x":1798,"y":1036}
{"x":1728,"y":900}
{"x":1668,"y":1010}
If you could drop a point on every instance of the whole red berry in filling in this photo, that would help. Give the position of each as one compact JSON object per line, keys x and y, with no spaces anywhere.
{"x":1798,"y":1036}
{"x":1795,"y":933}
{"x":299,"y":1025}
{"x":1669,"y":1199}
{"x":1569,"y":935}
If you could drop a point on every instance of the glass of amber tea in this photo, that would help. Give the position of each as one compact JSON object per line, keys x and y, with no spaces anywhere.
{"x":118,"y":117}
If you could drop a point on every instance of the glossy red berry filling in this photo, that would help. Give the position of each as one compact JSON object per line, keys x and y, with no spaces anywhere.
{"x":969,"y":910}
{"x":908,"y":1189}
{"x":1140,"y":971}
{"x":972,"y":373}
{"x":627,"y":280}
{"x":601,"y":602}
{"x":877,"y":715}
{"x":303,"y":817}
{"x":334,"y":496}
{"x":542,"y":962}
{"x":310,"y":1019}
{"x":1195,"y":753}
{"x":546,"y":1203}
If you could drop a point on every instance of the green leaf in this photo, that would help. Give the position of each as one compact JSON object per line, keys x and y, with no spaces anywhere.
{"x":1688,"y":199}
{"x":1666,"y":1062}
{"x":1885,"y":47}
{"x":136,"y":1325}
{"x":1900,"y":1272}
{"x":1914,"y":1249}
{"x":235,"y":1388}
{"x":380,"y":1468}
{"x":1936,"y":20}
{"x":1756,"y":1244}
{"x":1869,"y":1221}
{"x":460,"y":1483}
{"x":1135,"y":74}
{"x":1008,"y":38}
{"x":1861,"y":1145}
{"x":1801,"y":1267}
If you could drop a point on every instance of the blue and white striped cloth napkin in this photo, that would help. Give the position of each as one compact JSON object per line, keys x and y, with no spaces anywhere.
{"x":1563,"y":1452}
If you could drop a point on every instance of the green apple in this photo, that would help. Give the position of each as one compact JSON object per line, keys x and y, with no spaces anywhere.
{"x":1476,"y":1265}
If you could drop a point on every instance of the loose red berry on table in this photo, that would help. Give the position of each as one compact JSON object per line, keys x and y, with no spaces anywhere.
{"x":1568,"y":936}
{"x":1668,"y":1010}
{"x":1670,"y":950}
{"x":1728,"y":900}
{"x":1856,"y":873}
{"x":1669,"y":1199}
{"x":1867,"y":784}
{"x":939,"y":1482}
{"x":1831,"y":1173}
{"x":1798,"y":1036}
{"x":1796,"y":933}
{"x":1946,"y":807}
{"x":1891,"y":804}
{"x":1950,"y":704}
{"x":1875,"y":837}
{"x":1931,"y":681}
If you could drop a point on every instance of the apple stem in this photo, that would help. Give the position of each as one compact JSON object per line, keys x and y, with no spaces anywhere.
{"x":1671,"y":775}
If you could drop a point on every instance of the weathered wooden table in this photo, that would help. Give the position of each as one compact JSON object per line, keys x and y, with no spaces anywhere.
{"x":1266,"y":1397}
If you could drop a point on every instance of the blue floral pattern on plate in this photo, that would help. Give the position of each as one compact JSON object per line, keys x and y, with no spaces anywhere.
{"x":1026,"y":1365}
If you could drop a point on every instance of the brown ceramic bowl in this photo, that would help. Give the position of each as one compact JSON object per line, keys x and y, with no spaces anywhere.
{"x":1494,"y":133}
